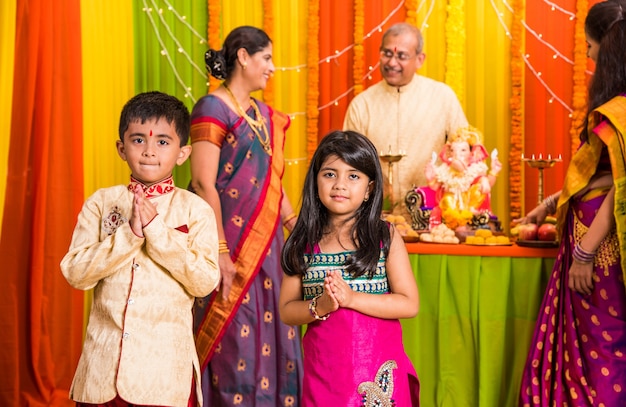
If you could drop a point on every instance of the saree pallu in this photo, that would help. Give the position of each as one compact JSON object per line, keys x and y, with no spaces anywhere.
{"x":578,"y":351}
{"x":367,"y":360}
{"x":248,"y":356}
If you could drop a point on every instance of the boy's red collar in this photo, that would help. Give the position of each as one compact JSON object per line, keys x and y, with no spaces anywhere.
{"x":161,"y":188}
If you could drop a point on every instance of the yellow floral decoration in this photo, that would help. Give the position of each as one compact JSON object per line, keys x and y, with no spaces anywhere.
{"x":411,"y":12}
{"x":357,"y":69}
{"x":312,"y":96}
{"x":579,"y":97}
{"x":517,"y":111}
{"x":268,"y":27}
{"x":213,"y":34}
{"x":455,"y":50}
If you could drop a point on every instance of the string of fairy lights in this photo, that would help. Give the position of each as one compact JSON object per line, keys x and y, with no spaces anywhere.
{"x":539,"y":37}
{"x":153,"y":12}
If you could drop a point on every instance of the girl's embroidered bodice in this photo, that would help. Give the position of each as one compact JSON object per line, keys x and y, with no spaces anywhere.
{"x":321,"y":263}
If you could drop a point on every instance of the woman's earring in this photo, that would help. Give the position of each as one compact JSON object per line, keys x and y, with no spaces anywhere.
{"x":245,"y":65}
{"x":366,"y":198}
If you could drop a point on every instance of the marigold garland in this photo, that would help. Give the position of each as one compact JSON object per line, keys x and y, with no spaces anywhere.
{"x":268,"y":27}
{"x":213,"y":35}
{"x":579,"y":97}
{"x":455,"y":50}
{"x":312,"y":96}
{"x":517,"y":111}
{"x":357,"y":68}
{"x":411,"y":12}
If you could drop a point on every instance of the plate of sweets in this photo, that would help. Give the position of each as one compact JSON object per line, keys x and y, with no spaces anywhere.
{"x":440,"y":234}
{"x":409,"y":235}
{"x":485,"y":237}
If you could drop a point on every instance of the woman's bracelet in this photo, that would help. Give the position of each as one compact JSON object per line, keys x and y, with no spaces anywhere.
{"x":581,"y":255}
{"x":223,"y":247}
{"x":288,"y":218}
{"x":550,"y":203}
{"x":313,"y":310}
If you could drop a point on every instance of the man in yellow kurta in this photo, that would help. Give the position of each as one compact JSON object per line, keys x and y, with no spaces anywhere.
{"x":405,"y":112}
{"x":147,"y":249}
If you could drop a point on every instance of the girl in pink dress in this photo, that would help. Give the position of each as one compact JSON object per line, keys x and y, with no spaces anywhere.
{"x":348,"y":277}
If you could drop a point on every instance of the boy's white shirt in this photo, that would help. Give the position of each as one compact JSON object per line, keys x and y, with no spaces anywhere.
{"x":139,"y":341}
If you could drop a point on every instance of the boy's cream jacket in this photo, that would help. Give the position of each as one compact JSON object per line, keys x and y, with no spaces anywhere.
{"x":139,"y":341}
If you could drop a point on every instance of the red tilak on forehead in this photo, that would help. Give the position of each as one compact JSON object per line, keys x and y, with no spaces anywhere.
{"x":150,"y":133}
{"x":395,"y":49}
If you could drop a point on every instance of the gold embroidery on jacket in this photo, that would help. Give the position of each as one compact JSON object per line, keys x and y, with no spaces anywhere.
{"x":113,"y":220}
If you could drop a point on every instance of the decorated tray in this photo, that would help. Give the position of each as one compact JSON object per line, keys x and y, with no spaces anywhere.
{"x":537,"y":243}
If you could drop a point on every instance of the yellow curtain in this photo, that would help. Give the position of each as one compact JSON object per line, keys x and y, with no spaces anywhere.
{"x":108,"y":82}
{"x":7,"y":45}
{"x":289,"y":82}
{"x":290,"y":88}
{"x":488,"y":89}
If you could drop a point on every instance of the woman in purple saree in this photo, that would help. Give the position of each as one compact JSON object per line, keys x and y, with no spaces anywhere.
{"x":578,"y":351}
{"x":248,"y":356}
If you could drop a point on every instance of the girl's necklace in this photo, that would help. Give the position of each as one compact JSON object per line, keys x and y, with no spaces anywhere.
{"x":255,"y":125}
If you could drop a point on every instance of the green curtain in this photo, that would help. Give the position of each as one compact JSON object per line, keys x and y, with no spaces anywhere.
{"x":169,"y":54}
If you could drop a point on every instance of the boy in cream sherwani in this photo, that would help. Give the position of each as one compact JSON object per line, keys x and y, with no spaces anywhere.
{"x":147,"y":249}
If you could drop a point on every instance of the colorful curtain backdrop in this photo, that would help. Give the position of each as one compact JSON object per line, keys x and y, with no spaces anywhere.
{"x":65,"y":74}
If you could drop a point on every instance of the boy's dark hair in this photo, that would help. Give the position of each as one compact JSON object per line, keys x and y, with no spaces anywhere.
{"x":156,"y":105}
{"x":370,"y":232}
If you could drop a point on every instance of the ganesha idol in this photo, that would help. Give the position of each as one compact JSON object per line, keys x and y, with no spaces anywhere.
{"x":459,"y":184}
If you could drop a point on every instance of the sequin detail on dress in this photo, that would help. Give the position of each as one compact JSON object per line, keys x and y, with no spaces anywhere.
{"x":378,"y":393}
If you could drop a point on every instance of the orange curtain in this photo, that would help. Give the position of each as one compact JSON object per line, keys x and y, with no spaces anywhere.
{"x":547,"y":122}
{"x":40,"y":315}
{"x":337,"y":33}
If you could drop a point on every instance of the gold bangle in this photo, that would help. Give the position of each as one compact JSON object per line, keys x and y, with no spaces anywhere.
{"x":223,"y":247}
{"x":492,"y":173}
{"x":288,"y":218}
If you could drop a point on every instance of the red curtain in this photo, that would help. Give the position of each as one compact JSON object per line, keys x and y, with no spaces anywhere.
{"x":547,"y":125}
{"x":40,"y":315}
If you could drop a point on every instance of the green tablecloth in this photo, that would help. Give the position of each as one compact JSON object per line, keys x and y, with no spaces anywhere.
{"x":477,"y":314}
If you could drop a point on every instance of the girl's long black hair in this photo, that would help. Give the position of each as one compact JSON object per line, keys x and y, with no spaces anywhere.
{"x":370,"y":233}
{"x":606,"y":24}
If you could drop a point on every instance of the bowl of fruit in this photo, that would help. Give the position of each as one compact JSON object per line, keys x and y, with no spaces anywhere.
{"x":533,"y":235}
